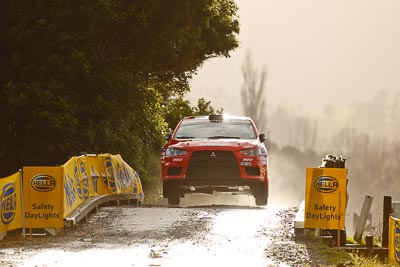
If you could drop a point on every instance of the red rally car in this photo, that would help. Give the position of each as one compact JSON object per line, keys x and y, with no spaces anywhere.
{"x":215,"y":153}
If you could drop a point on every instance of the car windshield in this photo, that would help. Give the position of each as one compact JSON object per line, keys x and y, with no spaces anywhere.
{"x":234,"y":129}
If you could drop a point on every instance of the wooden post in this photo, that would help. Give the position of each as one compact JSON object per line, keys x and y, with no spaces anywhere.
{"x":387,"y":210}
{"x":363,"y":218}
{"x":21,"y":182}
{"x":369,"y":241}
{"x":339,"y":230}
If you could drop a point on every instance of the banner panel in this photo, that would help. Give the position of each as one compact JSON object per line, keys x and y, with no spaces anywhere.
{"x":109,"y":171}
{"x":43,"y":197}
{"x":83,"y":177}
{"x":11,"y":203}
{"x":137,"y":184}
{"x":98,"y":181}
{"x":72,"y":196}
{"x":134,"y":183}
{"x":394,"y":241}
{"x":121,"y":178}
{"x":326,"y":197}
{"x":125,"y":176}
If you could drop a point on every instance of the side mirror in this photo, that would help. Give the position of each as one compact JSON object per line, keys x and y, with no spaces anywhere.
{"x":168,"y":136}
{"x":262,"y":137}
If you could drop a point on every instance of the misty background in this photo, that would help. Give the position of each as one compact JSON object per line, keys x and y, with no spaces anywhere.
{"x":328,"y":72}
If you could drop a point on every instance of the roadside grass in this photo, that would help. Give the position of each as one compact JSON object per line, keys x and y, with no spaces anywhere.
{"x":323,"y":255}
{"x":367,"y":262}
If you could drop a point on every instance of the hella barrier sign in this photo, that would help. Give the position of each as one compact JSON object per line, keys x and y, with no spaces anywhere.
{"x":326,"y":184}
{"x":394,"y":241}
{"x":397,"y":242}
{"x":8,"y":203}
{"x":43,"y":197}
{"x":326,"y":196}
{"x":43,"y":183}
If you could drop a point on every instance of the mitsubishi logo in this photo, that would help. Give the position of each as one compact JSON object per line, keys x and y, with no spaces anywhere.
{"x":213,"y":155}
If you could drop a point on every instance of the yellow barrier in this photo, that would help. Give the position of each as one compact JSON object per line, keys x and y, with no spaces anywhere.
{"x":394,"y":241}
{"x":326,"y":195}
{"x":43,"y":197}
{"x":88,"y":176}
{"x":50,"y":194}
{"x":11,"y":208}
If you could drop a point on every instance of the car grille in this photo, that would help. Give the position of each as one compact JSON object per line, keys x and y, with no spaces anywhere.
{"x":213,"y":164}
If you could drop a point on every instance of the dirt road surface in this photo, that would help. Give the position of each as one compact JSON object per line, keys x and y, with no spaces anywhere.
{"x":233,"y":232}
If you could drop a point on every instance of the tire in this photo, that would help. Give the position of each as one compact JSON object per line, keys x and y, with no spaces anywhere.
{"x":261,"y":201}
{"x":174,"y":199}
{"x":173,"y":195}
{"x":260,"y":194}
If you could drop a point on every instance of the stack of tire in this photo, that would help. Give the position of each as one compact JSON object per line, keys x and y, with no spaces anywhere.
{"x":331,"y":161}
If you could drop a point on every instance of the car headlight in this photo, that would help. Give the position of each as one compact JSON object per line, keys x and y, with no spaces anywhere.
{"x":172,"y":152}
{"x":251,"y":152}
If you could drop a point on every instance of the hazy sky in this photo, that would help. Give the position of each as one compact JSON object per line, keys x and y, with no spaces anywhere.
{"x":316,"y":52}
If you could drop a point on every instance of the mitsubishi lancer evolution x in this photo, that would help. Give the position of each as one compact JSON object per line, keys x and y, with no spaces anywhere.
{"x":215,"y":153}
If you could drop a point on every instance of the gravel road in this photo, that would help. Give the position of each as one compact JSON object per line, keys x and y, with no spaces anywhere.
{"x":228,"y":233}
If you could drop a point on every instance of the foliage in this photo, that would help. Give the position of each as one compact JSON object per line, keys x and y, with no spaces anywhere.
{"x":177,"y":108}
{"x":91,"y":75}
{"x":204,"y":108}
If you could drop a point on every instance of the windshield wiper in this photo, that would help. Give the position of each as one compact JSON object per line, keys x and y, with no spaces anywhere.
{"x":184,"y":137}
{"x":223,"y":137}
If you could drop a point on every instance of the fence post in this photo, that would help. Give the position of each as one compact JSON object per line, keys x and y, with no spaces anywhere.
{"x":363,"y":218}
{"x":21,"y":183}
{"x":387,"y":210}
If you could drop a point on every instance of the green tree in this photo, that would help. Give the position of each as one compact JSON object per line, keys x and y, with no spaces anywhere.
{"x":177,"y":108}
{"x":91,"y":75}
{"x":204,"y":108}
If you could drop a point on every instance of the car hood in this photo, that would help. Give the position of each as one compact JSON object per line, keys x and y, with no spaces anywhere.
{"x":222,"y":144}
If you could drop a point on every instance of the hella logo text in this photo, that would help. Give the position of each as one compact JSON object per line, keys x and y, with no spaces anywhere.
{"x":8,"y":203}
{"x":326,"y":184}
{"x":43,"y":183}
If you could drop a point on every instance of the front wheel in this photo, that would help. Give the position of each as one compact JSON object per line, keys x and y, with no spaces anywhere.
{"x":174,"y":199}
{"x":172,"y":193}
{"x":261,"y":200}
{"x":260,"y":194}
